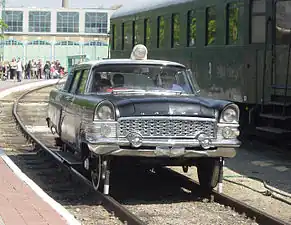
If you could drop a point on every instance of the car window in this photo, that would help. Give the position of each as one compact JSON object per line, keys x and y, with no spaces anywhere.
{"x":68,"y":83}
{"x":76,"y":81}
{"x":83,"y":81}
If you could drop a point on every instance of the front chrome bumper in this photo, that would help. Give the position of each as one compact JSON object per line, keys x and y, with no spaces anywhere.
{"x":173,"y":148}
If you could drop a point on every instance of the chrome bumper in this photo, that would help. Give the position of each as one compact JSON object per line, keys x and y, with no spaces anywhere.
{"x":171,"y":148}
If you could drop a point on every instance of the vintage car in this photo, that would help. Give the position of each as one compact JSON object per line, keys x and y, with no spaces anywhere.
{"x":141,"y":109}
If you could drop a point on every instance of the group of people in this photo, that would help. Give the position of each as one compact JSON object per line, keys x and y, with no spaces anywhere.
{"x":31,"y":70}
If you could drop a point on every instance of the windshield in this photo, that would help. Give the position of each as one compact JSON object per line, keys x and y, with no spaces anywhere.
{"x":141,"y":79}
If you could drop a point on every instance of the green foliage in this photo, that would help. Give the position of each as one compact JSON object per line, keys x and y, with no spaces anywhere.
{"x":211,"y":26}
{"x":176,"y":30}
{"x":161,"y":32}
{"x":192,"y":29}
{"x":3,"y":26}
{"x":138,"y":33}
{"x":148,"y":33}
{"x":233,"y":20}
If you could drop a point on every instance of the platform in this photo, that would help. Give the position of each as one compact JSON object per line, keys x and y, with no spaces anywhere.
{"x":12,"y":83}
{"x":22,"y":202}
{"x":19,"y":204}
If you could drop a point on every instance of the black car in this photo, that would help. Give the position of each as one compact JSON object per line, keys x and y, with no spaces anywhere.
{"x":146,"y":110}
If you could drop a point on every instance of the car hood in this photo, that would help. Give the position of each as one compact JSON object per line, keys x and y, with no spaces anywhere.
{"x":167,"y":105}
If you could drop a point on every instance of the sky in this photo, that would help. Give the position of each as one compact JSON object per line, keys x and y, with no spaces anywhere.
{"x":72,"y":3}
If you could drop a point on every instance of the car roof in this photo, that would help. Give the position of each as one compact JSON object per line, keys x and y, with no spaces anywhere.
{"x":129,"y":61}
{"x":137,"y":7}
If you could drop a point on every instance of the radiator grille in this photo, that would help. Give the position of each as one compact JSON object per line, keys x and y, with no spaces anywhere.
{"x":172,"y":128}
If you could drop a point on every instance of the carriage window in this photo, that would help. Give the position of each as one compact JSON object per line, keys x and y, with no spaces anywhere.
{"x":258,"y":21}
{"x":161,"y":32}
{"x":76,"y":81}
{"x":122,"y":34}
{"x":113,"y":36}
{"x":128,"y":35}
{"x":191,"y":37}
{"x":258,"y":6}
{"x":83,"y":81}
{"x":175,"y":30}
{"x":232,"y":15}
{"x":147,"y":33}
{"x":283,"y":22}
{"x":258,"y":29}
{"x":211,"y":25}
{"x":138,"y":32}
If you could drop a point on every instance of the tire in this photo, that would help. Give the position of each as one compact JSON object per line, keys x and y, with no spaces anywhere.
{"x":208,"y":173}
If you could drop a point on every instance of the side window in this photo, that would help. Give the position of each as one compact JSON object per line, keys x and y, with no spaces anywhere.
{"x":233,"y":26}
{"x":161,"y":32}
{"x":113,"y":36}
{"x":175,"y":30}
{"x":191,"y":28}
{"x":83,"y":81}
{"x":69,"y":82}
{"x":211,"y":25}
{"x":76,"y":81}
{"x":147,"y":33}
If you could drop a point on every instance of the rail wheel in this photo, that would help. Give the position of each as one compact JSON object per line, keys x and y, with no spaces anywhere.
{"x":96,"y":173}
{"x":208,"y":173}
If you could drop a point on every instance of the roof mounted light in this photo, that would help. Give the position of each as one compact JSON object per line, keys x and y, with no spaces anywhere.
{"x":139,"y":52}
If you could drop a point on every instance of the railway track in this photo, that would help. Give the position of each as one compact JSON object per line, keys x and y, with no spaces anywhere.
{"x":143,"y":197}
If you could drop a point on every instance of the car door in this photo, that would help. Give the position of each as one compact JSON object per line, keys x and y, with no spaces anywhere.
{"x":67,"y":123}
{"x":79,"y":104}
{"x":59,"y":100}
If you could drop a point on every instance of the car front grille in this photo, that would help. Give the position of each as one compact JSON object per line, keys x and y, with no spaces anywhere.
{"x":166,"y":127}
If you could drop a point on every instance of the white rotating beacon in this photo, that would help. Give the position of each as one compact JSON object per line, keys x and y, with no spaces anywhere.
{"x":139,"y":52}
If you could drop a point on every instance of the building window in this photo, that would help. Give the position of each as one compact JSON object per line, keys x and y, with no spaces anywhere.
{"x":232,"y":15}
{"x":138,"y":39}
{"x":161,"y":32}
{"x":96,"y":22}
{"x":211,"y":25}
{"x":127,"y":35}
{"x":175,"y":30}
{"x":258,"y":21}
{"x":283,"y":26}
{"x":68,"y":22}
{"x":39,"y":21}
{"x":147,"y":33}
{"x":113,"y":36}
{"x":192,"y":29}
{"x":14,"y":20}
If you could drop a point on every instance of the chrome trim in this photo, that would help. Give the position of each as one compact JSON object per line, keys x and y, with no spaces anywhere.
{"x":235,"y":107}
{"x":104,"y":102}
{"x":168,"y":142}
{"x":115,"y":150}
{"x":167,"y":133}
{"x":168,"y":117}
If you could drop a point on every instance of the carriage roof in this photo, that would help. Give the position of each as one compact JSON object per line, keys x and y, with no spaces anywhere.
{"x":137,"y":7}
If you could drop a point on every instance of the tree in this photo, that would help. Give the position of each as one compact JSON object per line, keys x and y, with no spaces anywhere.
{"x":3,"y":26}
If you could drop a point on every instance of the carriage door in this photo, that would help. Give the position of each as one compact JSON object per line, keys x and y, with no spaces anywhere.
{"x":281,"y":51}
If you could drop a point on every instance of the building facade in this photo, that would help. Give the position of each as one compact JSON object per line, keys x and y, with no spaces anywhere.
{"x":54,"y":34}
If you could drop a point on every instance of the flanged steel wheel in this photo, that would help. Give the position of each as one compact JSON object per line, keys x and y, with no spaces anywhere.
{"x":96,"y":173}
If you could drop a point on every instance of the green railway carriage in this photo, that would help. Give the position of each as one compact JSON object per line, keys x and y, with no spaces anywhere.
{"x":238,"y":50}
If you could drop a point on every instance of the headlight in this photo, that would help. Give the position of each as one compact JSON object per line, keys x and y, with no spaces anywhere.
{"x":230,"y":114}
{"x":104,"y":111}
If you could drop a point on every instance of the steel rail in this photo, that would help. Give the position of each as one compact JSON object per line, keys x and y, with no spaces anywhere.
{"x":239,"y":206}
{"x":109,"y":203}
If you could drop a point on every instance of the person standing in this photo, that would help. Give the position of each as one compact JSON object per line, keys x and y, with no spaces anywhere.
{"x":13,"y":68}
{"x":19,"y":70}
